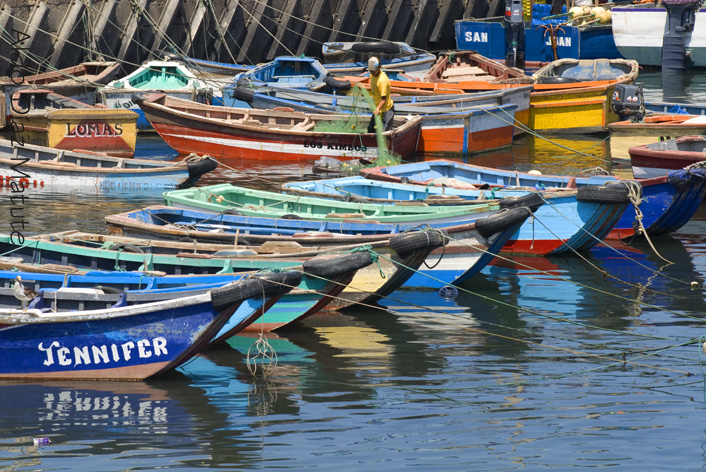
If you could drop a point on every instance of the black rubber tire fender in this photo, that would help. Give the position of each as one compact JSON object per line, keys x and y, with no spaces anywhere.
{"x":243,"y":94}
{"x":270,"y":284}
{"x":231,"y":212}
{"x":109,"y":290}
{"x":330,"y":267}
{"x":201,"y":167}
{"x":290,"y":216}
{"x":337,"y":84}
{"x":531,"y":200}
{"x":603,"y":194}
{"x":407,"y":243}
{"x":380,"y":47}
{"x":126,"y":247}
{"x":501,"y":220}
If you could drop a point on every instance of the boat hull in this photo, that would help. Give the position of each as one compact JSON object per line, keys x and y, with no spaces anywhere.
{"x":488,"y":39}
{"x":112,"y":132}
{"x":625,"y":135}
{"x":140,"y":342}
{"x":639,"y":31}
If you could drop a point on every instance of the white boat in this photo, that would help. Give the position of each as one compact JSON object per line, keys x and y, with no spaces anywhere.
{"x":639,"y":30}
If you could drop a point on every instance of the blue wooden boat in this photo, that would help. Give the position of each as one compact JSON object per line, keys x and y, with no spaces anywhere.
{"x":347,"y":58}
{"x":285,"y":72}
{"x":96,"y":290}
{"x":464,"y":256}
{"x":667,"y":202}
{"x":572,"y":42}
{"x":347,"y":272}
{"x":123,"y":342}
{"x":572,"y":219}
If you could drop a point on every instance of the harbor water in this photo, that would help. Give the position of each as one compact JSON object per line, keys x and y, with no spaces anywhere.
{"x":591,"y":361}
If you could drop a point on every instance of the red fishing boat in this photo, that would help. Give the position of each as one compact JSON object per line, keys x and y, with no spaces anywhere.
{"x":278,"y":134}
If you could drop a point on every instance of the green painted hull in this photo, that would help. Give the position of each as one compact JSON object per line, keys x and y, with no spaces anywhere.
{"x":248,"y":202}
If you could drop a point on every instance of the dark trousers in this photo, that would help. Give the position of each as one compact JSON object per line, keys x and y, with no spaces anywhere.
{"x":386,"y":120}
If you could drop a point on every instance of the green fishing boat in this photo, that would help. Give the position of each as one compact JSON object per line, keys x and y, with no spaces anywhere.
{"x":248,"y":202}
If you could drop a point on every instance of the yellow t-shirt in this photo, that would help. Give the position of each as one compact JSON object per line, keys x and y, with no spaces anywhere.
{"x":380,"y":87}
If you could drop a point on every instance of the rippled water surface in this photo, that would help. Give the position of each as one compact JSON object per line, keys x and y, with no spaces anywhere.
{"x":539,"y":363}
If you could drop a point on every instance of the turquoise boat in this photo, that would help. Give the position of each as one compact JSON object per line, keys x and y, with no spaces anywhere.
{"x":168,"y":76}
{"x":249,"y":202}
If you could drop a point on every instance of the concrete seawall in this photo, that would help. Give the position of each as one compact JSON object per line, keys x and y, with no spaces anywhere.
{"x":62,"y":33}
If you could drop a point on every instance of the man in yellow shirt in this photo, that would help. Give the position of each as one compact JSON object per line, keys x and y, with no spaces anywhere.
{"x":382,"y":99}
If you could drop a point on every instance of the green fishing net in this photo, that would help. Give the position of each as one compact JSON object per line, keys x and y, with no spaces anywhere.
{"x":355,"y":123}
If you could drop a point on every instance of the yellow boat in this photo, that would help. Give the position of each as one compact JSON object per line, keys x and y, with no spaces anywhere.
{"x":48,"y":119}
{"x":574,"y":96}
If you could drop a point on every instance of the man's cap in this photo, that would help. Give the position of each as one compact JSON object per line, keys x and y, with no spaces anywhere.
{"x":373,"y":63}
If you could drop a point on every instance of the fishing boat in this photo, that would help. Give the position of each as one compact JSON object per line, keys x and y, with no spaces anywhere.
{"x":30,"y":166}
{"x":572,"y":220}
{"x":348,"y":276}
{"x":655,"y":127}
{"x":564,"y":71}
{"x":657,"y":158}
{"x":459,"y":123}
{"x":53,"y":120}
{"x":352,"y":57}
{"x":639,"y":32}
{"x":119,"y":343}
{"x":79,"y":82}
{"x":470,"y":244}
{"x":285,"y":71}
{"x":168,"y":76}
{"x":271,"y":135}
{"x":251,"y":202}
{"x":459,"y":66}
{"x":95,"y":290}
{"x":573,"y":107}
{"x":668,"y":202}
{"x":545,"y":39}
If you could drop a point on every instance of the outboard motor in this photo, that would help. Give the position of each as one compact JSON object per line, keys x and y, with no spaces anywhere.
{"x":681,"y":15}
{"x":628,"y":102}
{"x":514,"y":34}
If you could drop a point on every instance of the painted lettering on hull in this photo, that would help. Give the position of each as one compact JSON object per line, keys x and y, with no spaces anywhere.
{"x":104,"y":354}
{"x":93,"y":130}
{"x":476,"y":37}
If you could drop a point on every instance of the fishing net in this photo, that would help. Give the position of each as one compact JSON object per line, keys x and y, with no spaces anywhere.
{"x":362,"y":105}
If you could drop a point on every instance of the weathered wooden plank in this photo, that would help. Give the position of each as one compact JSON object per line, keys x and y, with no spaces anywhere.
{"x":396,"y":19}
{"x":372,"y":20}
{"x":285,"y":23}
{"x":8,"y":39}
{"x":169,"y":11}
{"x":258,"y":38}
{"x":343,"y":22}
{"x":448,"y":10}
{"x":99,"y":27}
{"x":224,"y":26}
{"x":420,"y":12}
{"x":131,"y":25}
{"x":31,"y":31}
{"x":194,"y":28}
{"x":315,"y":30}
{"x":68,"y":23}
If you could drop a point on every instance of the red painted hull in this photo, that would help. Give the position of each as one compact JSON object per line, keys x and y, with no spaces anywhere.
{"x":266,"y":135}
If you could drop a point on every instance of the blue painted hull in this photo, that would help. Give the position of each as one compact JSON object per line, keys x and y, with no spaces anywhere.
{"x":488,"y":39}
{"x":564,"y":224}
{"x":135,"y":343}
{"x":668,"y":202}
